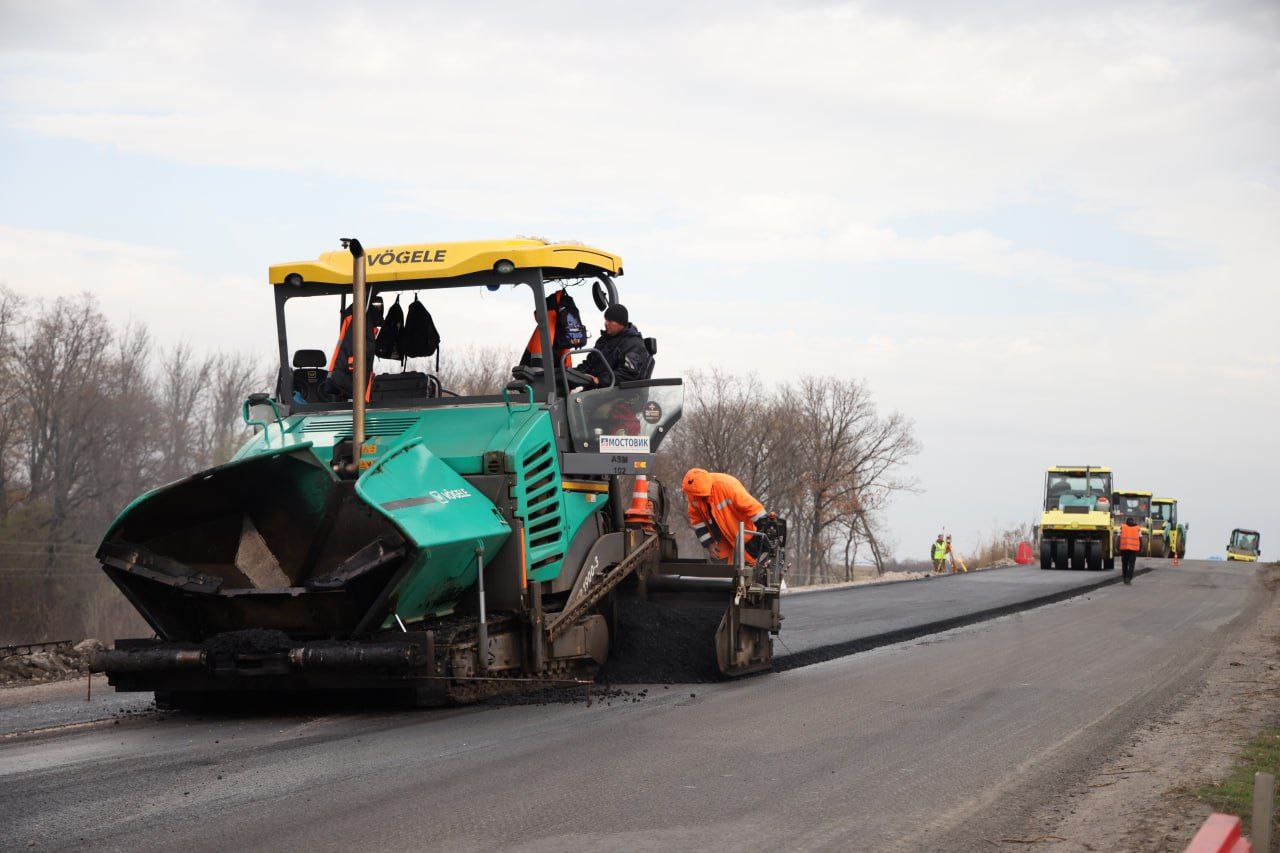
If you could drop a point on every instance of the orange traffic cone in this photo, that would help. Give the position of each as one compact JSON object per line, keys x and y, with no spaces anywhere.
{"x":640,"y":513}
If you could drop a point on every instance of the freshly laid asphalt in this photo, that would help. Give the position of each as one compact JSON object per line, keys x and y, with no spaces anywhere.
{"x":817,"y":626}
{"x":930,"y":744}
{"x":822,"y":625}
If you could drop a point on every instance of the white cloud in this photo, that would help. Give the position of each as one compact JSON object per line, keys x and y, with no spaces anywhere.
{"x":139,"y":283}
{"x":758,"y":142}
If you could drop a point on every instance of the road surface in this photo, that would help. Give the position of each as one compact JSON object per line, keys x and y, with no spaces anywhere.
{"x":931,"y":743}
{"x":823,"y":625}
{"x":818,"y":625}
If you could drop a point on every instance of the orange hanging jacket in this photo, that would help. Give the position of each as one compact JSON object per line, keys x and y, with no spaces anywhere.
{"x":533,"y":349}
{"x":715,"y":513}
{"x":343,"y":359}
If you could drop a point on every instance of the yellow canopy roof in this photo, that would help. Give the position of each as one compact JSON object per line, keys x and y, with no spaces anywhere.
{"x":1072,"y":469}
{"x":430,"y":261}
{"x":1132,"y":492}
{"x":1164,"y":500}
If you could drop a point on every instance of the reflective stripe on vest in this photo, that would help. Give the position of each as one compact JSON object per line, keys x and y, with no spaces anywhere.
{"x":1130,"y":538}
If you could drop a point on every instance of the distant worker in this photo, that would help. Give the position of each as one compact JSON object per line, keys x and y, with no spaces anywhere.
{"x":1130,"y":545}
{"x":717,"y":504}
{"x":621,"y":351}
{"x":939,"y":555}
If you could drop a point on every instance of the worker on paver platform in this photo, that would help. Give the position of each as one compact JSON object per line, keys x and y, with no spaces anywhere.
{"x":1130,"y":545}
{"x":718,"y":503}
{"x":939,"y":555}
{"x":620,"y":354}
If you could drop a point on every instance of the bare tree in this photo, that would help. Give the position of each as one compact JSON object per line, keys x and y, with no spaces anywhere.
{"x":183,"y":380}
{"x":10,"y":399}
{"x":476,"y":370}
{"x":132,"y":465}
{"x":818,"y":452}
{"x":232,"y":377}
{"x":66,"y":385}
{"x":853,"y":456}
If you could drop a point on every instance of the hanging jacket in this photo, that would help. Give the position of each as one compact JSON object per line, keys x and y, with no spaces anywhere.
{"x":419,"y":338}
{"x":624,"y":352}
{"x":387,"y":344}
{"x":717,"y":503}
{"x":339,"y":384}
{"x":566,"y":331}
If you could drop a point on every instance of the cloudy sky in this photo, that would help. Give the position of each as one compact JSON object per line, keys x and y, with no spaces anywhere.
{"x":1050,"y":233}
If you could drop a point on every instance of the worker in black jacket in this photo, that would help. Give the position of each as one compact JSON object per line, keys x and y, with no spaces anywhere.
{"x":622,"y":348}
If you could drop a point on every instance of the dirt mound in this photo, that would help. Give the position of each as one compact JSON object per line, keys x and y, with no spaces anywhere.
{"x":657,"y":644}
{"x":52,"y":664}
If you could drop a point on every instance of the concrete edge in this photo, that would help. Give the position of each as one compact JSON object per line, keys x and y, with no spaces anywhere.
{"x":809,"y":590}
{"x":782,"y":663}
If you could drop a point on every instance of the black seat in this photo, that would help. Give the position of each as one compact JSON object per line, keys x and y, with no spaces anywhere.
{"x":309,"y":374}
{"x":410,"y":385}
{"x":651,"y":344}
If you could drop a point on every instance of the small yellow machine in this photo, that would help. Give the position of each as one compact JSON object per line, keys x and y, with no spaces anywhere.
{"x":1245,"y":545}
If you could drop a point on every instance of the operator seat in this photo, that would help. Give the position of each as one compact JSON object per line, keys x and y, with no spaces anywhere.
{"x":309,"y":374}
{"x":651,"y":344}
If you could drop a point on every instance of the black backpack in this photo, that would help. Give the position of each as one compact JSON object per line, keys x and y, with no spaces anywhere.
{"x":570,"y":333}
{"x":419,"y":337}
{"x":388,"y":343}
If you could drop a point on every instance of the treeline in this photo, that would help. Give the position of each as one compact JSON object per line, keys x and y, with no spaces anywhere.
{"x":91,"y":415}
{"x":817,"y":451}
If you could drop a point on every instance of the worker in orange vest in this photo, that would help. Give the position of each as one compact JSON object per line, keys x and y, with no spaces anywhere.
{"x":717,"y":504}
{"x":1130,"y":545}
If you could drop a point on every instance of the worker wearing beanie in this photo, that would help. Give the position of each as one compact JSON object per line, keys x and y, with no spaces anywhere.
{"x":621,"y":349}
{"x":717,"y":503}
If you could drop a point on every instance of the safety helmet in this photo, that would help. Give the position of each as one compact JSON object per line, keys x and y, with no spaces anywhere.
{"x":696,"y":483}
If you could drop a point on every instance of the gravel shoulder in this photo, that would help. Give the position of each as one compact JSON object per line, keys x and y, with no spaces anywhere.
{"x":1144,"y":799}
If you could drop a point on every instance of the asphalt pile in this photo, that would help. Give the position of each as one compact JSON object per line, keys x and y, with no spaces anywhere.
{"x":657,"y":644}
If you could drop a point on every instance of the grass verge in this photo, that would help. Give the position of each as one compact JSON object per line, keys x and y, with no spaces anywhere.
{"x":1234,"y":795}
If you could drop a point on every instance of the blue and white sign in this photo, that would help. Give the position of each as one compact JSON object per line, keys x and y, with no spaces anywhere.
{"x":624,"y":444}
